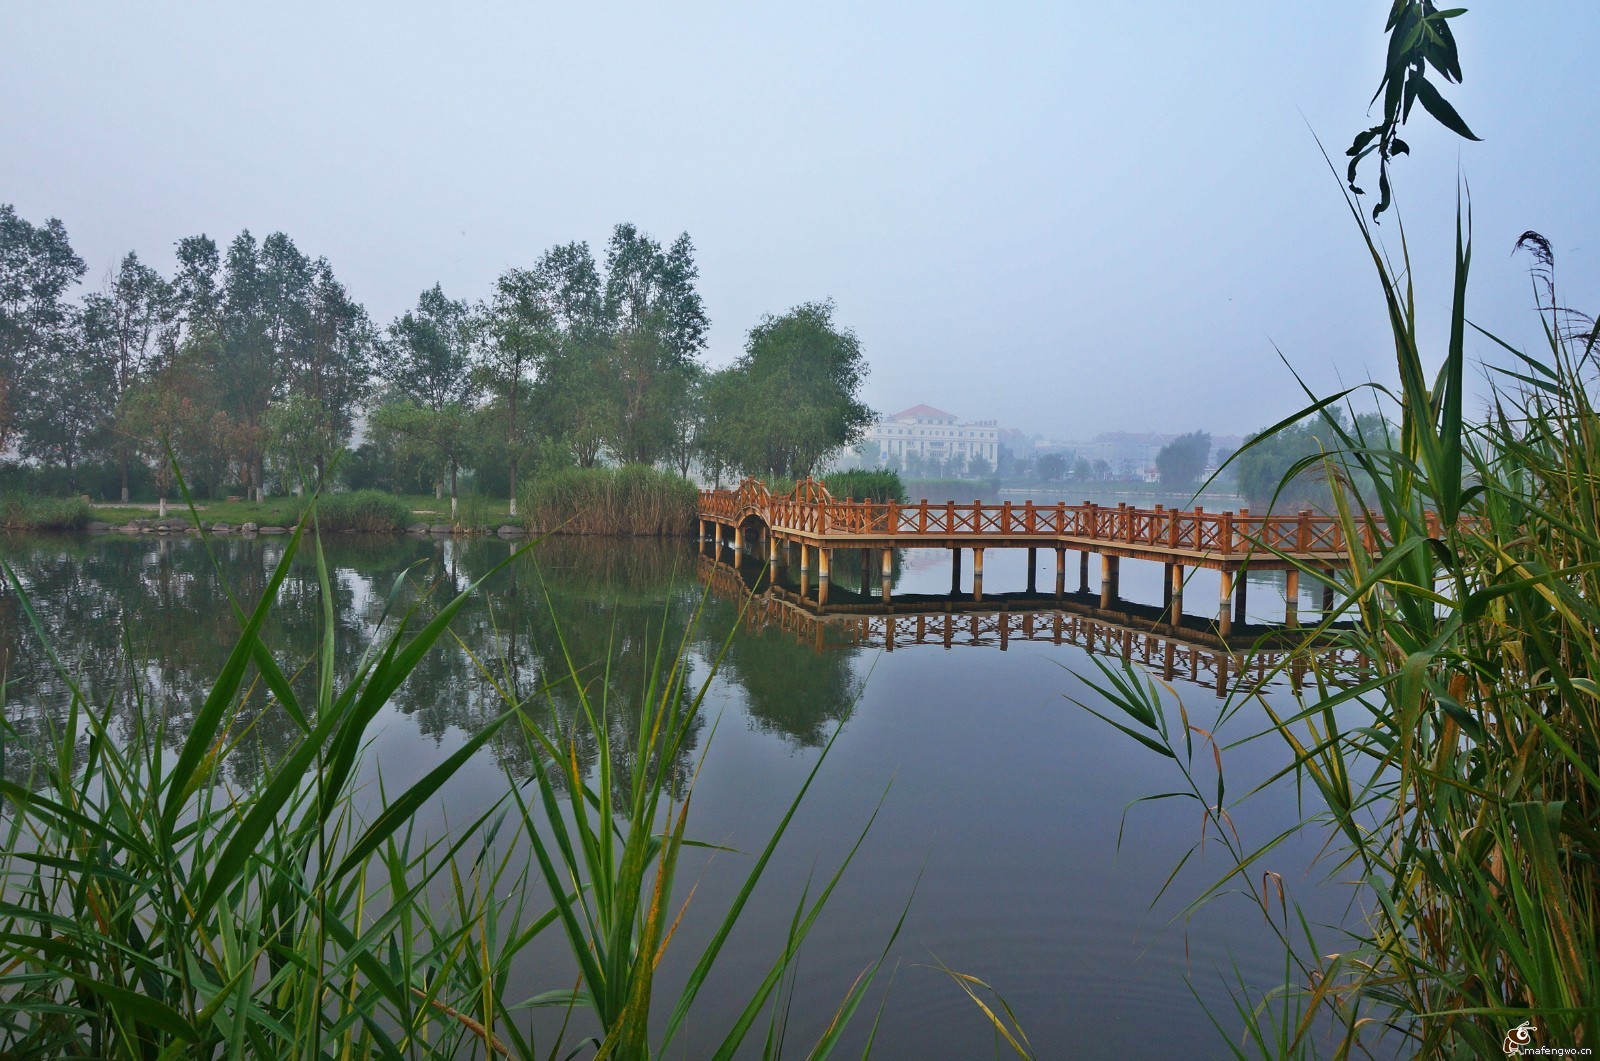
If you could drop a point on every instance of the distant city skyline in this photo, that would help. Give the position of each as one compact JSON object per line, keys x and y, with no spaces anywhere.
{"x":1018,"y":217}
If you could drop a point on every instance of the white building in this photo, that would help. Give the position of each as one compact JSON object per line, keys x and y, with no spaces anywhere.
{"x":933,"y":436}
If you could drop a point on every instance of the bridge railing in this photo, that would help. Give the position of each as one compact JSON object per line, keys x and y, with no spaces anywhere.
{"x":1195,"y":530}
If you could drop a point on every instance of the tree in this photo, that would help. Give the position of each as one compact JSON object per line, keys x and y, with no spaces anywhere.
{"x":657,"y":327}
{"x":522,"y":332}
{"x":1266,"y":462}
{"x":175,"y":414}
{"x":328,"y":369}
{"x":791,"y":401}
{"x":1180,"y":462}
{"x":979,"y":467}
{"x":37,"y":265}
{"x":69,"y":396}
{"x":575,"y":392}
{"x":428,"y":363}
{"x":1051,"y":466}
{"x":131,"y":322}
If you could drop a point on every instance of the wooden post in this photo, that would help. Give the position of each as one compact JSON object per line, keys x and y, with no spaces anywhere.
{"x":1108,"y":579}
{"x":824,"y":574}
{"x":977,"y":574}
{"x":1225,"y":604}
{"x":1166,"y":586}
{"x":1116,"y":577}
{"x":1083,"y":572}
{"x":866,"y":571}
{"x":1033,"y":569}
{"x":773,"y":552}
{"x":1175,"y":606}
{"x":888,"y":563}
{"x":1291,"y":598}
{"x":888,"y":634}
{"x":1239,"y":589}
{"x":805,"y":570}
{"x":955,"y":570}
{"x":1327,"y":599}
{"x":738,"y":539}
{"x":1061,"y":572}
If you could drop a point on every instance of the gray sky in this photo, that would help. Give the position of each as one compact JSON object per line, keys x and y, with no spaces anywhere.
{"x":1074,"y":216}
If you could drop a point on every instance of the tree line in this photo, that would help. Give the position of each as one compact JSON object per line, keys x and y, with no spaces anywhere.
{"x":254,"y":370}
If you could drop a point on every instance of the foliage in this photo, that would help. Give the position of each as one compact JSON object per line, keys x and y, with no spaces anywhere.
{"x":1459,"y":779}
{"x":42,"y":514}
{"x":792,"y":400}
{"x":1180,"y":462}
{"x":365,"y":511}
{"x":155,"y":906}
{"x":1279,"y":467}
{"x":1419,"y":37}
{"x":1051,"y":467}
{"x":866,"y":485}
{"x":37,"y":265}
{"x":633,"y":500}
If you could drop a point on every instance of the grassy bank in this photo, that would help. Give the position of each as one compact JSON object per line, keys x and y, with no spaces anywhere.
{"x":24,"y":514}
{"x":631,"y":500}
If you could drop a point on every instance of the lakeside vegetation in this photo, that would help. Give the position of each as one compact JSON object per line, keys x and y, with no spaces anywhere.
{"x":1458,"y":784}
{"x":23,"y":514}
{"x":155,"y":906}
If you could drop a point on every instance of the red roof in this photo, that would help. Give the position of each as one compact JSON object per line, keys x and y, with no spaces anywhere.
{"x":924,"y":412}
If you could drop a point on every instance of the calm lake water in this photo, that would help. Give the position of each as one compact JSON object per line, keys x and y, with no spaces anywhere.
{"x":1002,"y":799}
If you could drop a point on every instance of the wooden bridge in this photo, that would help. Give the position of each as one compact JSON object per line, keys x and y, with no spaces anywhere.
{"x":925,"y":625}
{"x":809,"y":524}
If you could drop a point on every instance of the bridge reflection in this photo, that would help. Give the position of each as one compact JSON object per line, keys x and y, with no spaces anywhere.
{"x":1277,"y":656}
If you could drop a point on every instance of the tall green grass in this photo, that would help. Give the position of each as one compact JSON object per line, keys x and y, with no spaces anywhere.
{"x":1461,"y":782}
{"x":866,"y":484}
{"x":22,"y":514}
{"x":364,"y":511}
{"x":151,"y":908}
{"x":631,"y":500}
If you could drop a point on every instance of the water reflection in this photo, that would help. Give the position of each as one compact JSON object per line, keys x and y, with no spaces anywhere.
{"x":958,"y":621}
{"x":146,"y":624}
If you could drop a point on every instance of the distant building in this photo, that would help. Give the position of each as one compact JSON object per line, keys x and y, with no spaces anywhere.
{"x":926,"y":437}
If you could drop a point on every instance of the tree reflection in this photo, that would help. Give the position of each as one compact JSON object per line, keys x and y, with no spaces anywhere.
{"x":149,"y":621}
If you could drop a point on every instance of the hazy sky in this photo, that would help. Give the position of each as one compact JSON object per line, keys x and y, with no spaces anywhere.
{"x":1072,"y":216}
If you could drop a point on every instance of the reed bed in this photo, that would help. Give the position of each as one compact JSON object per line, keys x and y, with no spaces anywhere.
{"x":866,"y":484}
{"x":24,"y":514}
{"x":149,"y":908}
{"x":364,"y":511}
{"x":1461,"y":782}
{"x":632,"y":500}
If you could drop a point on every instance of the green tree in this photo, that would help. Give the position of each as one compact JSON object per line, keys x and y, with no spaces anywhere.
{"x":131,"y":324}
{"x":37,"y":266}
{"x":1180,"y":462}
{"x":1051,"y":466}
{"x":792,"y":400}
{"x":522,"y":333}
{"x":657,"y":326}
{"x":428,"y":370}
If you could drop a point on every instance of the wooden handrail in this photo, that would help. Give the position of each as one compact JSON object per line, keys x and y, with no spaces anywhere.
{"x":808,"y":508}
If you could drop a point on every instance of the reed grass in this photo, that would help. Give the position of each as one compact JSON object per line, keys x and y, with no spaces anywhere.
{"x":24,"y":514}
{"x":1461,"y":781}
{"x":866,"y":484}
{"x":631,"y":500}
{"x":363,"y":511}
{"x":150,"y":908}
